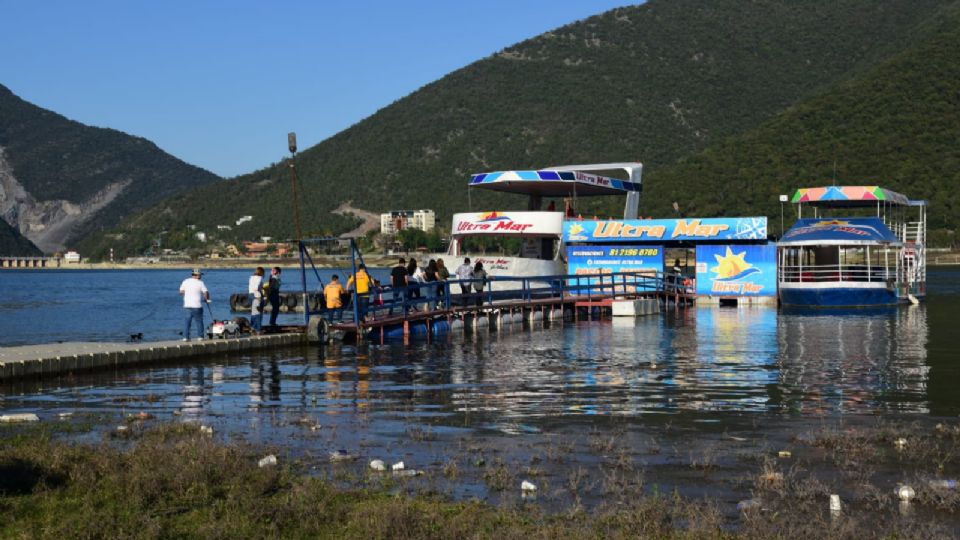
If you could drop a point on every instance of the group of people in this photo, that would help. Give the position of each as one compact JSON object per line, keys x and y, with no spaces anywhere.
{"x":407,"y":279}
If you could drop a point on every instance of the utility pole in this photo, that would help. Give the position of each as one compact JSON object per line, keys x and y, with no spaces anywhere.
{"x":783,"y":199}
{"x":292,"y":145}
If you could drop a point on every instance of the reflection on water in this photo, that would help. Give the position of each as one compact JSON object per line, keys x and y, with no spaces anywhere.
{"x":702,"y":362}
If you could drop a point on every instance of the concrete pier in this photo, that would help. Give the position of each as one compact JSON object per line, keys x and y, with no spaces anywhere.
{"x":62,"y":358}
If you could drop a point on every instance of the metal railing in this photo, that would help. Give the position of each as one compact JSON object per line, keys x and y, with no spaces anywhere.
{"x":835,"y":272}
{"x":452,"y":295}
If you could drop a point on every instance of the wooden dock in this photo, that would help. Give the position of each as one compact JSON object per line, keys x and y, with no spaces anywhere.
{"x":63,"y":358}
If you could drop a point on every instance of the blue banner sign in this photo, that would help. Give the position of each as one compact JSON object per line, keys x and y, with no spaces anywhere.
{"x":595,"y":260}
{"x":665,"y":230}
{"x":737,"y":270}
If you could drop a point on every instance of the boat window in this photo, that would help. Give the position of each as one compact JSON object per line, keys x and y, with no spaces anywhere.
{"x":527,"y":248}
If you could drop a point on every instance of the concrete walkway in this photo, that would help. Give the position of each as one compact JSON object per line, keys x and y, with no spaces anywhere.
{"x":60,"y":358}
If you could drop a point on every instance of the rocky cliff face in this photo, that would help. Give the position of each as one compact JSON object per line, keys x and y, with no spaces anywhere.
{"x":48,"y":224}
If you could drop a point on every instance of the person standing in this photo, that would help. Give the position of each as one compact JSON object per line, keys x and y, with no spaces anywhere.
{"x":255,"y":290}
{"x":464,"y":271}
{"x":361,"y":283}
{"x":481,"y":275}
{"x":333,"y":293}
{"x":271,"y":290}
{"x":413,"y":283}
{"x":442,"y":276}
{"x":194,"y":293}
{"x":398,"y":283}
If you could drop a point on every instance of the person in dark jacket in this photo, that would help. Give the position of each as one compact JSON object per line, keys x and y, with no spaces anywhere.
{"x":271,"y":291}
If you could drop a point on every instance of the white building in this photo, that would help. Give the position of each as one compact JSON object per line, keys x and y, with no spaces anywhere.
{"x":243,"y":220}
{"x":201,"y":236}
{"x":71,"y":257}
{"x":397,"y":220}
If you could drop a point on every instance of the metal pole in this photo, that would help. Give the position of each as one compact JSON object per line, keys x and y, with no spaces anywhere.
{"x":292,"y":143}
{"x":303,"y":282}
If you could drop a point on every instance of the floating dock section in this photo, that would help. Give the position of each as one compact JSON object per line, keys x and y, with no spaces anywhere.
{"x":62,"y":358}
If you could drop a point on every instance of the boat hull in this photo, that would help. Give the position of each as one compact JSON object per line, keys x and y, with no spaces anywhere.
{"x":837,"y":296}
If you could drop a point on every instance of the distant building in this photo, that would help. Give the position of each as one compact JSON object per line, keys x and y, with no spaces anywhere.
{"x":201,"y":236}
{"x":71,"y":257}
{"x":397,"y":220}
{"x":224,"y":228}
{"x":243,"y":220}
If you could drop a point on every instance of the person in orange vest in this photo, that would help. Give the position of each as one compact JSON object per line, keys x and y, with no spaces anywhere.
{"x":361,"y":283}
{"x":333,"y":294}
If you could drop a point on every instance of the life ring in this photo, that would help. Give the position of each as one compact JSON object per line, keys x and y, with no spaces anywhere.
{"x":243,"y":300}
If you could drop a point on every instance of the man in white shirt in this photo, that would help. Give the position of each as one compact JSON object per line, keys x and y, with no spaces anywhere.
{"x":465,"y":271}
{"x":194,"y":294}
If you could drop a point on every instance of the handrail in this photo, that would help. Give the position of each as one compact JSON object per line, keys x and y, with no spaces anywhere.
{"x":389,"y":301}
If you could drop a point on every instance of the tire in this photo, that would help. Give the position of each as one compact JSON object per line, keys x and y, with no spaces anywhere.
{"x":243,"y":300}
{"x":233,"y":302}
{"x":290,"y":301}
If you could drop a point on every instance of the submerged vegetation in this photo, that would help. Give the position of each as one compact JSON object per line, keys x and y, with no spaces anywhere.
{"x":175,"y":481}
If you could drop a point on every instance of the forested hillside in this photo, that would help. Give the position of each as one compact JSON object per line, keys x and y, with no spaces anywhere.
{"x":656,"y":83}
{"x":103,"y":174}
{"x":897,"y":126}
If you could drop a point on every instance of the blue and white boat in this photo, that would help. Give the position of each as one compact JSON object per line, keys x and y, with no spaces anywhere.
{"x":874,"y":257}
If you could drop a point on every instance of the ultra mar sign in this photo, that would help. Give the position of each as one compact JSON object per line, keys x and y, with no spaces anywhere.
{"x":659,"y":230}
{"x":520,"y":223}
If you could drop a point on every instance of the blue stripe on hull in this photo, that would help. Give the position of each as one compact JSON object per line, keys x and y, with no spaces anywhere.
{"x":832,"y":297}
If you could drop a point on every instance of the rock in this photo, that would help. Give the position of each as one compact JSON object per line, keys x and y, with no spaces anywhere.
{"x":378,"y":465}
{"x":527,"y":486}
{"x":398,"y":466}
{"x":19,"y":417}
{"x":268,"y":461}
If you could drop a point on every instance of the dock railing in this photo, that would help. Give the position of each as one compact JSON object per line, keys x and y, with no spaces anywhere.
{"x":448,"y":295}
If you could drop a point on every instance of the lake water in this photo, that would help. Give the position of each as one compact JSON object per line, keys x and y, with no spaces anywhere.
{"x":684,"y":378}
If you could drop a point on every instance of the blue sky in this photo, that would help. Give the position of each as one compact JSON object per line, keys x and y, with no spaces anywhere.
{"x":220,"y":83}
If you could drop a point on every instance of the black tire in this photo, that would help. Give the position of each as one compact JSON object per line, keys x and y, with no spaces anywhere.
{"x":243,"y":300}
{"x":233,"y":302}
{"x":314,"y":302}
{"x":290,"y":301}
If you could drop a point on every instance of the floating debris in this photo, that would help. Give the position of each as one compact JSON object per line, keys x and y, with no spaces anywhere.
{"x":268,"y":461}
{"x":121,"y":429}
{"x":378,"y":465}
{"x":65,"y":415}
{"x":784,"y":454}
{"x":900,"y":443}
{"x":315,"y":427}
{"x":206,"y":430}
{"x":20,"y":417}
{"x":738,"y":439}
{"x":906,"y":493}
{"x":144,"y":415}
{"x":748,"y":504}
{"x":527,"y":486}
{"x":398,"y":466}
{"x":835,"y":505}
{"x":407,"y":473}
{"x":341,"y":455}
{"x":771,"y":478}
{"x":943,"y":484}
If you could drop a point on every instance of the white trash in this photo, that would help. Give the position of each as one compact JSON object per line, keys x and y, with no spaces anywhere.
{"x":407,"y":473}
{"x":527,"y":486}
{"x":835,"y":505}
{"x":206,"y":430}
{"x":378,"y":465}
{"x":65,"y":415}
{"x":905,"y":493}
{"x":398,"y":466}
{"x":268,"y":461}
{"x":342,"y":455}
{"x":20,"y":417}
{"x":900,"y":443}
{"x":943,"y":484}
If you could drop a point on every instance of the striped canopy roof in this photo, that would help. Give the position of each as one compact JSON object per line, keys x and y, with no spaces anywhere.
{"x":848,"y":196}
{"x":553,"y":183}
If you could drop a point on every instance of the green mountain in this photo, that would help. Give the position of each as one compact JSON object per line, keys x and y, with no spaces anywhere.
{"x":663,"y":83}
{"x":896,"y":125}
{"x":61,"y":181}
{"x":12,"y":243}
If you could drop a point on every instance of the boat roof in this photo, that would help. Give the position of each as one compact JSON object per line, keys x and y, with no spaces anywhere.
{"x":851,"y":196}
{"x":838,"y":231}
{"x":562,"y":180}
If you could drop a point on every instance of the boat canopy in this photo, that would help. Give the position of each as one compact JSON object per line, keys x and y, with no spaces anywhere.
{"x":562,"y":181}
{"x":850,"y":196}
{"x":838,"y":231}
